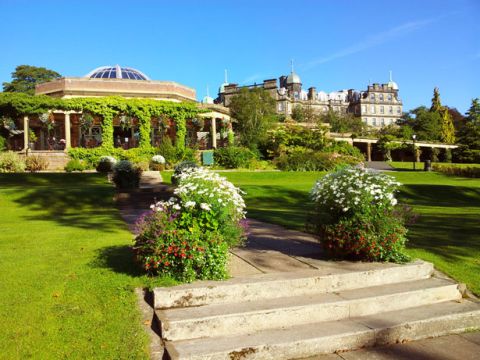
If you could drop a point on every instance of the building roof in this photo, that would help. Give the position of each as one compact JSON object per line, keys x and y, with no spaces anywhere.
{"x":116,"y":72}
{"x":293,"y":78}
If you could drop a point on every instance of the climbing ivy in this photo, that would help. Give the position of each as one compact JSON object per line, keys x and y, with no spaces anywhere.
{"x":144,"y":110}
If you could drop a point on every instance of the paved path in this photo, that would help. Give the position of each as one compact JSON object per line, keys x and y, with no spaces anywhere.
{"x":271,"y":248}
{"x":379,"y":165}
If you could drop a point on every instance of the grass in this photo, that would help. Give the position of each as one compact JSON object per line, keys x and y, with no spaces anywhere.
{"x":67,"y":277}
{"x":408,"y":165}
{"x":447,"y":232}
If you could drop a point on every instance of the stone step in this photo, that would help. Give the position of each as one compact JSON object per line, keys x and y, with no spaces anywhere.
{"x":247,"y":317}
{"x":278,"y":285}
{"x":301,"y":341}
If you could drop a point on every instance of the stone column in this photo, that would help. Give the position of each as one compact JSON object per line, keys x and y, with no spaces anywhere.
{"x":369,"y":152}
{"x":417,"y":153}
{"x":68,"y":138}
{"x":214,"y":132}
{"x":26,"y":129}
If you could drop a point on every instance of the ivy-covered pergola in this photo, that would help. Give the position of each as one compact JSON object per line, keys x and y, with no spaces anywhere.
{"x":144,"y":113}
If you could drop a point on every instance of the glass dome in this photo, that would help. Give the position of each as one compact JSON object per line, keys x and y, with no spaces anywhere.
{"x":117,"y":72}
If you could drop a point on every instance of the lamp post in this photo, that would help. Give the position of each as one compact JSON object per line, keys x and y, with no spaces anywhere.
{"x":414,"y":152}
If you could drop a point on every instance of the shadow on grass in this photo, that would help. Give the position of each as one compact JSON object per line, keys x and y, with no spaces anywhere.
{"x":450,"y":236}
{"x":440,"y":195}
{"x":75,"y":200}
{"x":119,"y":259}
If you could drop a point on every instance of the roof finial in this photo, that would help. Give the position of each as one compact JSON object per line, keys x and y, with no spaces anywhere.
{"x":226,"y":79}
{"x":291,"y":64}
{"x":391,"y":75}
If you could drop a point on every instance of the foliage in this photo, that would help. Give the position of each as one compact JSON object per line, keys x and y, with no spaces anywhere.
{"x":305,"y":114}
{"x":32,"y":137}
{"x":34,"y":163}
{"x":75,"y":165}
{"x":304,"y":159}
{"x":11,"y":162}
{"x":436,"y":103}
{"x":342,"y":123}
{"x":448,"y":130}
{"x":18,"y":104}
{"x":3,"y":143}
{"x":126,"y":175}
{"x":344,"y":148}
{"x":386,"y":144}
{"x":469,"y":136}
{"x":188,"y":237}
{"x":233,"y":157}
{"x":465,"y":171}
{"x":157,"y":162}
{"x":355,"y":215}
{"x":254,"y":111}
{"x":106,"y":164}
{"x":92,"y":156}
{"x":25,"y":77}
{"x":182,"y":167}
{"x":291,"y":135}
{"x":425,"y":124}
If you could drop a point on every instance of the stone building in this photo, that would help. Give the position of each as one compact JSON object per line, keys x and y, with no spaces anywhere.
{"x":378,"y":106}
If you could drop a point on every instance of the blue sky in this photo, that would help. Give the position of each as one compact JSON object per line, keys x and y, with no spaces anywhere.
{"x":335,"y":44}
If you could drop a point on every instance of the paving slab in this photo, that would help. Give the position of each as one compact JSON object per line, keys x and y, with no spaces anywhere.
{"x":473,"y":337}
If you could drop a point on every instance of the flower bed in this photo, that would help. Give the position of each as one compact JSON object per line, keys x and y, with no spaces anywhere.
{"x":357,"y":217}
{"x":188,"y":237}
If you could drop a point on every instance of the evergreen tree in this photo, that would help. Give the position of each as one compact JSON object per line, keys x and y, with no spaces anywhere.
{"x":436,"y":103}
{"x":473,"y":114}
{"x":448,"y":130}
{"x":25,"y":77}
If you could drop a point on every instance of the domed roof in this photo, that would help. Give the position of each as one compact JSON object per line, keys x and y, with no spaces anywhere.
{"x":393,"y":85}
{"x":116,"y":72}
{"x":207,"y":100}
{"x":221,"y":89}
{"x":293,"y":78}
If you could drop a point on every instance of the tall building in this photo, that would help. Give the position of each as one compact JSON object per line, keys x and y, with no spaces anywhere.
{"x":378,"y":106}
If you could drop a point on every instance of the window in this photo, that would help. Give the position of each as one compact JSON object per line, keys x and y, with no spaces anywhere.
{"x":380,"y":97}
{"x":390,"y":109}
{"x":374,"y":122}
{"x":381,"y":110}
{"x":280,"y":106}
{"x":372,"y":109}
{"x":364,"y":108}
{"x":372,"y":97}
{"x":398,"y":110}
{"x":383,"y":122}
{"x":389,"y":97}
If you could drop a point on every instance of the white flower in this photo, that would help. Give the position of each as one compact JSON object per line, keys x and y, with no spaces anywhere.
{"x":205,"y":207}
{"x":176,"y":207}
{"x":190,"y":204}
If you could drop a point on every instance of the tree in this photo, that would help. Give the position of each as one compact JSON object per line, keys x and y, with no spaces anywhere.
{"x":25,"y":77}
{"x":254,"y":111}
{"x":426,"y":124}
{"x":342,"y":123}
{"x":469,"y":135}
{"x":436,"y":103}
{"x":305,"y":114}
{"x":448,"y":130}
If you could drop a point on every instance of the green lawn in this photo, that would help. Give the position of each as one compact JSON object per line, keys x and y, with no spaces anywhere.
{"x":67,"y":278}
{"x":408,"y":165}
{"x":447,"y":232}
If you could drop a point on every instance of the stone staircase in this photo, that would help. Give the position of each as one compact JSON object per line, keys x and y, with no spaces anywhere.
{"x":56,"y":159}
{"x":294,"y":315}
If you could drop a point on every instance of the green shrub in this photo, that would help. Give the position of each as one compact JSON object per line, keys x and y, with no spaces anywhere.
{"x":34,"y":163}
{"x":174,"y":155}
{"x":465,"y":171}
{"x":126,"y":175}
{"x":356,"y":218}
{"x":233,"y":157}
{"x":106,"y":164}
{"x":345,"y":148}
{"x":11,"y":162}
{"x":303,"y":159}
{"x":3,"y":143}
{"x":180,"y":168}
{"x":188,"y":237}
{"x":75,"y":165}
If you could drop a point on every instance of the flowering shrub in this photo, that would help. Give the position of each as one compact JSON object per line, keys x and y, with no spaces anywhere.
{"x":356,"y":217}
{"x":157,"y":162}
{"x":106,"y":164}
{"x":188,"y":237}
{"x":181,"y":167}
{"x":126,"y":175}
